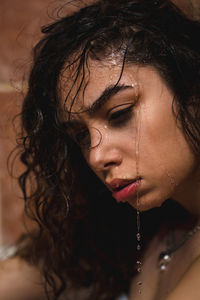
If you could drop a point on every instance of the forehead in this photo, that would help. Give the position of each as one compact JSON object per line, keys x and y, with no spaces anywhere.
{"x":81,"y":89}
{"x":79,"y":92}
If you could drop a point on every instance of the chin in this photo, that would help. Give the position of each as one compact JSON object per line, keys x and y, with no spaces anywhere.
{"x":148,"y":201}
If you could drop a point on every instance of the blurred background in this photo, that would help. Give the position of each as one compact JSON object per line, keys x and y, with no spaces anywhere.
{"x":20,"y":23}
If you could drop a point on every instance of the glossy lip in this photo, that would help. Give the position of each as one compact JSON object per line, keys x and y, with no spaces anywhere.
{"x":124,"y":189}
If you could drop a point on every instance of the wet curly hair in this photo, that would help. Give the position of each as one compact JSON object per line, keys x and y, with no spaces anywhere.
{"x":85,"y":241}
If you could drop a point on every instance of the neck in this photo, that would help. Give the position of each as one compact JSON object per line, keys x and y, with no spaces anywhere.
{"x":188,"y":195}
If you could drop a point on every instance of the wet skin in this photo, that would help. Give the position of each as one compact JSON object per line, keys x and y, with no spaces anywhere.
{"x":134,"y":133}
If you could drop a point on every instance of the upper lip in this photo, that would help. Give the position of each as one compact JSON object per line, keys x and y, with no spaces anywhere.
{"x":117,"y":184}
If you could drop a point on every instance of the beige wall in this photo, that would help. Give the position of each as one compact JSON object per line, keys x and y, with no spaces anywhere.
{"x":191,"y":7}
{"x":20,"y":22}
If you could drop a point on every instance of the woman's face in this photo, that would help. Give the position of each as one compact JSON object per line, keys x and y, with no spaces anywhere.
{"x":130,"y":137}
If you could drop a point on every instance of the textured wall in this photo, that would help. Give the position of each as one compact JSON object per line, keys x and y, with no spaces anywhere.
{"x":20,"y":22}
{"x":191,"y":7}
{"x":20,"y":26}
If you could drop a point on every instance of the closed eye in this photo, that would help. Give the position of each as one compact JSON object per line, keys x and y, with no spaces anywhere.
{"x":121,"y":117}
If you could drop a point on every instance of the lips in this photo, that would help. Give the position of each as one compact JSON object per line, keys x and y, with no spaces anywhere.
{"x":122,"y":190}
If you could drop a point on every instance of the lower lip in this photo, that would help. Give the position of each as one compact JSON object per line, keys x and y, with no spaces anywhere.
{"x":124,"y":194}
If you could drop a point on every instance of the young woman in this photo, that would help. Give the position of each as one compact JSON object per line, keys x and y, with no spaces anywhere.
{"x":111,"y":143}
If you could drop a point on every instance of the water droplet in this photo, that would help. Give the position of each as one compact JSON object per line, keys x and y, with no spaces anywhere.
{"x":138,"y":236}
{"x":163,"y":267}
{"x":134,"y":84}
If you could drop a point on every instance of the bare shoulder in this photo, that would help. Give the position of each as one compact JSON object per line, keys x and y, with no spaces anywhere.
{"x":189,"y":285}
{"x":20,"y":281}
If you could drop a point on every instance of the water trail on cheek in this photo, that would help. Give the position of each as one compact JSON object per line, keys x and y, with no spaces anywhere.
{"x":138,"y":214}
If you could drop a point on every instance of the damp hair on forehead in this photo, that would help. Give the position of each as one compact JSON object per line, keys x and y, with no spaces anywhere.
{"x":74,"y":100}
{"x":75,"y":79}
{"x":80,"y":72}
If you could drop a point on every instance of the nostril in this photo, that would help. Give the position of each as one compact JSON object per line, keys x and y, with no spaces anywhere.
{"x":109,"y":164}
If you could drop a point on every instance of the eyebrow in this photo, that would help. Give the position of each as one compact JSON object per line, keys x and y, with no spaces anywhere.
{"x":109,"y":92}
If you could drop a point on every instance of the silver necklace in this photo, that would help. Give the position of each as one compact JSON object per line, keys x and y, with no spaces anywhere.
{"x":165,"y":257}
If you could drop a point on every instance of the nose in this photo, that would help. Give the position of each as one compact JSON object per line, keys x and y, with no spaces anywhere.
{"x":106,"y":154}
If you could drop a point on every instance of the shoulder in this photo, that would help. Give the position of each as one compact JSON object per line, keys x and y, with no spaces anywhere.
{"x":19,"y":280}
{"x":189,"y":285}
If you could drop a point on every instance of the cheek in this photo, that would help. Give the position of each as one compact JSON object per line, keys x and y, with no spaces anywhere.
{"x":164,"y":151}
{"x":165,"y":166}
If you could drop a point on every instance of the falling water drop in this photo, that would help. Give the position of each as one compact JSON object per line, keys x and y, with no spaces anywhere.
{"x":138,"y":233}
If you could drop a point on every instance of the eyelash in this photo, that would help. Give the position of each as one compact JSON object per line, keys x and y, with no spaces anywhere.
{"x":121,"y":117}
